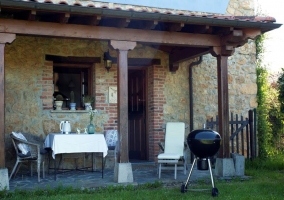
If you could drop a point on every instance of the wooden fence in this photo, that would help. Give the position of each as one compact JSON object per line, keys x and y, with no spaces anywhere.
{"x":242,"y":133}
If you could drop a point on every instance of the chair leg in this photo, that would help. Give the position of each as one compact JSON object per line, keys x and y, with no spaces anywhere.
{"x":175,"y":171}
{"x":160,"y":166}
{"x":43,"y":170}
{"x":38,"y":171}
{"x":84,"y":162}
{"x":31,"y":167}
{"x":14,"y":169}
{"x":17,"y":169}
{"x":59,"y":164}
{"x":76,"y":163}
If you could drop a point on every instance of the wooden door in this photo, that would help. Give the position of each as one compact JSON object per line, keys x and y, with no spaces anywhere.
{"x":137,"y":114}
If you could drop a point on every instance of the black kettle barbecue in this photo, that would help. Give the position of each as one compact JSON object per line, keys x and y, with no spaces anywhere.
{"x":203,"y":143}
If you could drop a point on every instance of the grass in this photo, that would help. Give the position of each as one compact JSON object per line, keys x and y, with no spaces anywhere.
{"x":266,"y":182}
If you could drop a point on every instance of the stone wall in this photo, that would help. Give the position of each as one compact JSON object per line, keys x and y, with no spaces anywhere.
{"x":241,"y":77}
{"x":29,"y":87}
{"x":241,"y":8}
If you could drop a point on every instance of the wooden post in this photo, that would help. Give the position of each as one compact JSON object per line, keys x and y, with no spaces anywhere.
{"x":4,"y":38}
{"x":122,"y":48}
{"x":223,"y":105}
{"x":251,"y":136}
{"x":222,"y":53}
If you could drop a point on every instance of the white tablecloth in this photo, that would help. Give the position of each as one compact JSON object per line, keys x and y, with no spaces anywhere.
{"x":76,"y":143}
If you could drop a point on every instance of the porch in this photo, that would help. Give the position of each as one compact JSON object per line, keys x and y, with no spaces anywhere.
{"x":142,"y":173}
{"x":85,"y":30}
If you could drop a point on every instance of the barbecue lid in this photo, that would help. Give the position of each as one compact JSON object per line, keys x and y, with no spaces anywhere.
{"x":204,"y":142}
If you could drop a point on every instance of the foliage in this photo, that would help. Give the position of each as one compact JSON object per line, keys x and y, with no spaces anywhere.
{"x":89,"y":99}
{"x":59,"y":97}
{"x":92,"y":113}
{"x":275,"y":162}
{"x":270,"y":98}
{"x":281,"y":90}
{"x":72,"y":97}
{"x":263,"y":124}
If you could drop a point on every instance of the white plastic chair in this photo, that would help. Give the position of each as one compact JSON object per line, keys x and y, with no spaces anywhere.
{"x":173,"y":148}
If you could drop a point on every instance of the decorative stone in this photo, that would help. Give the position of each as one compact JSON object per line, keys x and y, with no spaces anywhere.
{"x":239,"y":162}
{"x":4,"y":180}
{"x":123,"y":173}
{"x":224,"y":167}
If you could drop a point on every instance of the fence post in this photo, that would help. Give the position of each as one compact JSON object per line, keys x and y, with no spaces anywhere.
{"x":251,"y":132}
{"x":232,"y":131}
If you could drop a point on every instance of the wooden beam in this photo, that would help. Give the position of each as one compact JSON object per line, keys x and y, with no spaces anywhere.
{"x":64,"y":18}
{"x":140,"y":61}
{"x":4,"y":38}
{"x":123,"y":23}
{"x":251,"y":33}
{"x":107,"y":33}
{"x":234,"y":37}
{"x":72,"y":65}
{"x":151,"y":24}
{"x":173,"y":67}
{"x":183,"y":54}
{"x":224,"y":50}
{"x":2,"y":107}
{"x":94,"y":20}
{"x":224,"y":30}
{"x":240,"y":37}
{"x":32,"y":15}
{"x":203,"y":29}
{"x":7,"y":38}
{"x":174,"y":27}
{"x":72,"y":59}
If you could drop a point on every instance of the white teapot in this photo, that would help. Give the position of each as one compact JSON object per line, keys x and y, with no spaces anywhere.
{"x":65,"y":127}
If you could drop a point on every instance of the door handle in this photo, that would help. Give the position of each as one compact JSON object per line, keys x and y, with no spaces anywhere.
{"x":141,"y":100}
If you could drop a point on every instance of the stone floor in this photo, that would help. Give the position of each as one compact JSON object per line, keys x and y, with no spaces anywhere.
{"x":142,"y":173}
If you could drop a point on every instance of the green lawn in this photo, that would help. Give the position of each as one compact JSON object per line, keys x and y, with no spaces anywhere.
{"x":266,"y":182}
{"x":263,"y":184}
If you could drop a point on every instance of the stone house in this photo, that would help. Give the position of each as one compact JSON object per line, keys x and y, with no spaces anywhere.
{"x":41,"y":39}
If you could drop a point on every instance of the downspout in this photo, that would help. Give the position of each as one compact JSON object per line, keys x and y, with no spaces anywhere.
{"x":191,"y":99}
{"x":191,"y":92}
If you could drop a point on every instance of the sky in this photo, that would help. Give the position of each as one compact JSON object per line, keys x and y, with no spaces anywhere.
{"x":274,"y":43}
{"x":213,"y":6}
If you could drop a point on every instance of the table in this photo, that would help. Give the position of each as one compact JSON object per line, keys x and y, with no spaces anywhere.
{"x":76,"y":143}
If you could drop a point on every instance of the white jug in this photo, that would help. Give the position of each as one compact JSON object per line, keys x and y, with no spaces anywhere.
{"x":65,"y":127}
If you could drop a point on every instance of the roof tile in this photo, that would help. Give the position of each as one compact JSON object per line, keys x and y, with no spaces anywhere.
{"x":116,"y":6}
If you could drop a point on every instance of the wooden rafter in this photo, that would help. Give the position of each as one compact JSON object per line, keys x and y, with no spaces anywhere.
{"x":203,"y":29}
{"x":174,"y":27}
{"x":64,"y":17}
{"x":183,"y":54}
{"x":106,"y":33}
{"x":32,"y":15}
{"x":123,"y":23}
{"x":150,"y":24}
{"x":94,"y":20}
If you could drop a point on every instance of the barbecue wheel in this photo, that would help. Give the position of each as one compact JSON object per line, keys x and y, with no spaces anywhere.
{"x":214,"y":192}
{"x":183,"y":188}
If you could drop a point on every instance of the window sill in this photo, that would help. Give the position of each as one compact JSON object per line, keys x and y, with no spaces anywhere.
{"x":69,"y":111}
